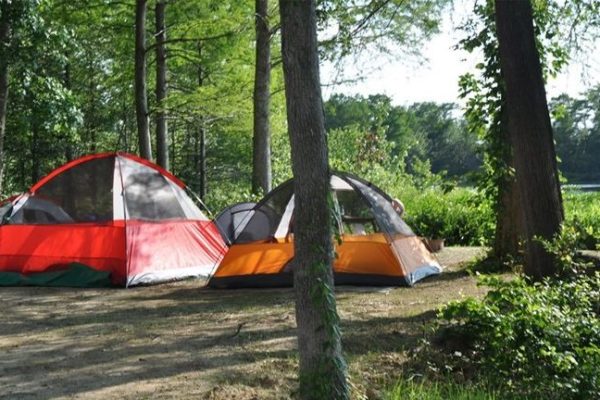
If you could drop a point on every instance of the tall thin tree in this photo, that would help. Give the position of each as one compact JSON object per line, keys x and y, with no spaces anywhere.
{"x":530,"y":132}
{"x":162,"y":146}
{"x":5,"y":35}
{"x":322,"y":366}
{"x":141,"y":96}
{"x":261,"y":142}
{"x":200,"y":151}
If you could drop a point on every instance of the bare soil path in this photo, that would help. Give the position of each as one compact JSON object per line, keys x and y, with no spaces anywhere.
{"x":179,"y":341}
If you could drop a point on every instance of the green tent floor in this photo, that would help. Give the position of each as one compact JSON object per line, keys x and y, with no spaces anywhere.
{"x":76,"y":275}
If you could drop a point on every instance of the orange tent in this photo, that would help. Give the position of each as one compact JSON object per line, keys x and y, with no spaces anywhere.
{"x":377,"y":246}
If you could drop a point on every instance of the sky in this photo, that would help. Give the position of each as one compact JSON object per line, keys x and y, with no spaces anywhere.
{"x":436,"y":77}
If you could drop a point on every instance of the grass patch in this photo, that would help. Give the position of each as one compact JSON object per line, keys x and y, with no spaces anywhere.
{"x":414,"y":390}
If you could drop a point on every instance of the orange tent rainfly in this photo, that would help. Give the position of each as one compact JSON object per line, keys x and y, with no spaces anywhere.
{"x":377,"y":246}
{"x":111,"y":215}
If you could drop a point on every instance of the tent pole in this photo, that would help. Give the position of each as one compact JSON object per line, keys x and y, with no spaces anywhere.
{"x":127,"y":259}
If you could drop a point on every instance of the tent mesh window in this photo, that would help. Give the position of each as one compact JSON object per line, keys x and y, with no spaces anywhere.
{"x":149,"y":196}
{"x":387,"y":217}
{"x":263,"y":223}
{"x":80,"y":194}
{"x":356,"y":215}
{"x":5,"y":210}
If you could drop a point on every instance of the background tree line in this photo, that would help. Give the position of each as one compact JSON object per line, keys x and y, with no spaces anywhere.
{"x":435,"y":136}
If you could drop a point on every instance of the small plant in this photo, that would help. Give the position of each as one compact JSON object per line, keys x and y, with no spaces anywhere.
{"x":492,"y":264}
{"x":565,"y":248}
{"x":413,"y":390}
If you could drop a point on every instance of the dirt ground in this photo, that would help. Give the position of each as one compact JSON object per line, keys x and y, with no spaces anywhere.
{"x":180,"y":341}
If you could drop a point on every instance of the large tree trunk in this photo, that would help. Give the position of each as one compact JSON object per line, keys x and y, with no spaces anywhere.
{"x":141,"y":100}
{"x":508,"y":213}
{"x":531,"y":133}
{"x":322,"y":367}
{"x":162,"y":147}
{"x":261,"y":143}
{"x":508,"y":221}
{"x":4,"y":47}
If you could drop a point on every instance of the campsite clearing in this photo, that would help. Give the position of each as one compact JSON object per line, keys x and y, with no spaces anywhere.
{"x":177,"y":341}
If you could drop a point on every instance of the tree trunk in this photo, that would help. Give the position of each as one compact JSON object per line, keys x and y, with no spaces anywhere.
{"x":531,"y":133}
{"x":69,"y":156}
{"x":508,"y":221}
{"x":141,"y":101}
{"x":36,"y":169}
{"x":90,"y":111}
{"x":322,"y":366}
{"x":261,"y":143}
{"x":3,"y":112}
{"x":508,"y":213}
{"x":162,"y":147}
{"x":4,"y":47}
{"x":201,"y":138}
{"x":201,"y":161}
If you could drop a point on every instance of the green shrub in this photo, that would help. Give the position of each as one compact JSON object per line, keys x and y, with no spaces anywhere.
{"x":538,"y":341}
{"x":434,"y":207}
{"x":565,"y":247}
{"x":226,"y":194}
{"x":582,"y":212}
{"x":461,"y":216}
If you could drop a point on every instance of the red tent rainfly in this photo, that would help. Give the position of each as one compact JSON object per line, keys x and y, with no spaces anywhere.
{"x":112,"y":212}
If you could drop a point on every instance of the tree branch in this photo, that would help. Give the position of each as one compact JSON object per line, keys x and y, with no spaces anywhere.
{"x":187,"y":40}
{"x":371,"y":14}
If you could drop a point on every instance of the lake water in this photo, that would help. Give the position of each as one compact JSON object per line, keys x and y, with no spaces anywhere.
{"x":584,"y":187}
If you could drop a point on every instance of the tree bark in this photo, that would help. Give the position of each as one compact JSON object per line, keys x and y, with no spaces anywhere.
{"x":261,"y":143}
{"x":531,"y":133}
{"x":36,"y":169}
{"x":162,"y":147}
{"x":201,"y":138}
{"x":5,"y":34}
{"x":141,"y":100}
{"x":508,"y":221}
{"x":201,"y":161}
{"x":69,"y":156}
{"x":508,"y":214}
{"x":322,"y":367}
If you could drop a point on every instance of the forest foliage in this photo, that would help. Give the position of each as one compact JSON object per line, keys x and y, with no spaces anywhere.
{"x":71,"y":93}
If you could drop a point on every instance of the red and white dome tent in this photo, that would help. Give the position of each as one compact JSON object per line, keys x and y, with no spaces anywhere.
{"x":111,"y":212}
